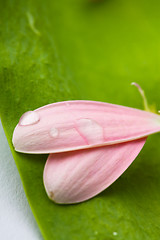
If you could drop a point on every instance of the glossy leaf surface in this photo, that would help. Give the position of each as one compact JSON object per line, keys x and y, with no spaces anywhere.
{"x":88,"y":50}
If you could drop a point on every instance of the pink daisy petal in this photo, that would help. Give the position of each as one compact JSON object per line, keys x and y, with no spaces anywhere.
{"x":73,"y":125}
{"x":76,"y":176}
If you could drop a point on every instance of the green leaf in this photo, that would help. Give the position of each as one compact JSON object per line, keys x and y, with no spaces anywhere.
{"x":62,"y":50}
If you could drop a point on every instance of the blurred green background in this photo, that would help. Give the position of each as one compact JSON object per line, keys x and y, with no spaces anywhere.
{"x":61,"y":50}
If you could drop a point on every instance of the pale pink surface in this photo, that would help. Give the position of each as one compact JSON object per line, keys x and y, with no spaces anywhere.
{"x":72,"y":177}
{"x":73,"y":125}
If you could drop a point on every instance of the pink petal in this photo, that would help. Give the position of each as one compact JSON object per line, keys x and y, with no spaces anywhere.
{"x":73,"y":125}
{"x":73,"y":177}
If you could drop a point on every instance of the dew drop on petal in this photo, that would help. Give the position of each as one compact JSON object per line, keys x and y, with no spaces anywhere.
{"x":29,"y":118}
{"x":67,"y":104}
{"x":90,"y":130}
{"x":54,"y":132}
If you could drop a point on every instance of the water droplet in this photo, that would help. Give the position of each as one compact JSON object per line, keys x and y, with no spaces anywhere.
{"x":54,"y":132}
{"x":67,"y":104}
{"x":115,"y":233}
{"x":29,"y":118}
{"x":91,"y":131}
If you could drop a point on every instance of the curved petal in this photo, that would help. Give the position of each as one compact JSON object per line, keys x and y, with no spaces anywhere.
{"x":72,"y":125}
{"x":73,"y":177}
